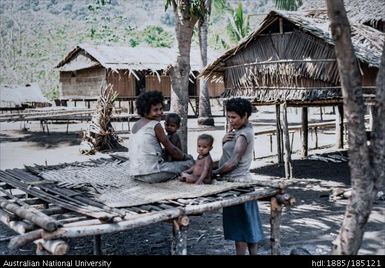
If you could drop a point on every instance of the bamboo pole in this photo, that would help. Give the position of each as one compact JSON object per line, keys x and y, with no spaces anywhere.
{"x":278,"y":129}
{"x":32,"y":215}
{"x":54,"y":247}
{"x":304,"y":133}
{"x":79,"y":231}
{"x":340,"y":127}
{"x":21,"y":226}
{"x":288,"y":165}
{"x":23,"y":239}
{"x":257,"y":194}
{"x":275,"y":221}
{"x":97,"y":245}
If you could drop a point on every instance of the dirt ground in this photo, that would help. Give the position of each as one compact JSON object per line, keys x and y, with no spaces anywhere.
{"x":312,"y":224}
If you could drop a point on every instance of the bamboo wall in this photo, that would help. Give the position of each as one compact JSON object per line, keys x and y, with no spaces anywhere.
{"x":123,"y":82}
{"x":215,"y":88}
{"x":164,"y":85}
{"x":152,"y":83}
{"x":82,"y":83}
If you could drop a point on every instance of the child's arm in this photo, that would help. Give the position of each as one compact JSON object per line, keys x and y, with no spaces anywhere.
{"x":206,"y":169}
{"x":178,"y":142}
{"x":190,"y":170}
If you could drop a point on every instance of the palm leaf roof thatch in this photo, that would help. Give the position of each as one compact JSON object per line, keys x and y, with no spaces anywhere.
{"x":297,"y":65}
{"x":360,"y":11}
{"x":125,"y":58}
{"x":367,"y":42}
{"x":17,"y":95}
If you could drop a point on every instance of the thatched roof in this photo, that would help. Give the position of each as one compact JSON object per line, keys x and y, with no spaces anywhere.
{"x":12,"y":96}
{"x":367,"y":42}
{"x":297,"y":66}
{"x":357,"y":10}
{"x":125,"y":58}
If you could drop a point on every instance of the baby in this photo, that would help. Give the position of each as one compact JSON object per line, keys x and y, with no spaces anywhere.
{"x":171,"y":125}
{"x":200,"y":172}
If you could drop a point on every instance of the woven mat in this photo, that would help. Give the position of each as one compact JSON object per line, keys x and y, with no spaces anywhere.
{"x":144,"y":193}
{"x":111,"y":184}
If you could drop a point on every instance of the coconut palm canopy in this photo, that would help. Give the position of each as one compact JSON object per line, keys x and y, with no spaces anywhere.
{"x":125,"y":58}
{"x":291,"y":57}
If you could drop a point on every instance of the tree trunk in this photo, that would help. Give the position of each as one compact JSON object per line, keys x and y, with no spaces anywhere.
{"x":205,"y":117}
{"x":359,"y":206}
{"x":180,"y":71}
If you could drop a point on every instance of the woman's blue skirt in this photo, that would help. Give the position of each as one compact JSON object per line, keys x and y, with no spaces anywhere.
{"x":242,"y":223}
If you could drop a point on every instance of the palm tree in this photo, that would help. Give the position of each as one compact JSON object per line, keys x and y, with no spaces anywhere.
{"x":187,"y":13}
{"x":237,"y":27}
{"x":288,"y":4}
{"x":205,"y":116}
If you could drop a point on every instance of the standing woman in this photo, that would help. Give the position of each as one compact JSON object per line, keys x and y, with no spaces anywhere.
{"x":145,"y":150}
{"x":241,"y":223}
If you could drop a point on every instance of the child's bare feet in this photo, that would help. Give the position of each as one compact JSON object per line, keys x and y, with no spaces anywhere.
{"x":181,"y":178}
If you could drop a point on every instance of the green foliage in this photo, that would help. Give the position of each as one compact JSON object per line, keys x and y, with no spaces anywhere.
{"x":238,"y":26}
{"x":196,"y":8}
{"x":156,"y":36}
{"x":288,"y":4}
{"x":53,"y":93}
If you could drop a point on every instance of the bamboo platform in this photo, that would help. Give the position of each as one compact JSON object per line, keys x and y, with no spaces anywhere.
{"x":45,"y":212}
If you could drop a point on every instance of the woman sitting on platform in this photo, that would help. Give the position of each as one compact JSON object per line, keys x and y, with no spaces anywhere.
{"x":241,"y":223}
{"x":145,"y":151}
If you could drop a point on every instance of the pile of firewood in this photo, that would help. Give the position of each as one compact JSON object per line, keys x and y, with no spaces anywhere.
{"x":100,"y":135}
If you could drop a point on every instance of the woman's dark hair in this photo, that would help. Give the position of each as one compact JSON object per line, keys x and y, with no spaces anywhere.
{"x":146,"y":100}
{"x":240,"y":106}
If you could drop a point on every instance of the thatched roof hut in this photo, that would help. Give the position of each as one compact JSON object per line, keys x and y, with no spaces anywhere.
{"x":290,"y":58}
{"x":128,"y":69}
{"x":28,"y":95}
{"x":371,"y":12}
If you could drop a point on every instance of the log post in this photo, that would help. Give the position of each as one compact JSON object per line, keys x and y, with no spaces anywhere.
{"x":40,"y":250}
{"x":54,"y":247}
{"x":288,"y":166}
{"x":23,"y":239}
{"x":179,"y":243}
{"x":279,"y":132}
{"x":304,"y":132}
{"x":275,"y":221}
{"x":97,"y":245}
{"x":32,"y":215}
{"x":340,"y":127}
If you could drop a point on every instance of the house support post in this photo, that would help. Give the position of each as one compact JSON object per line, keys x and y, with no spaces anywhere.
{"x":286,"y":140}
{"x":304,"y":132}
{"x":340,"y":127}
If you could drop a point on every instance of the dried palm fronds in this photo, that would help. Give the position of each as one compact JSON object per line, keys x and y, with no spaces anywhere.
{"x":100,"y":135}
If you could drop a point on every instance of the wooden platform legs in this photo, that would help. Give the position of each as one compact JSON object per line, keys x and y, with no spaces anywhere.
{"x":179,"y":243}
{"x":277,"y":204}
{"x":275,"y":221}
{"x":97,"y":245}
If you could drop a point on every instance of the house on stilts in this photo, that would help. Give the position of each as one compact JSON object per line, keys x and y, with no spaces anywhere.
{"x":290,"y":61}
{"x":130,"y":70}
